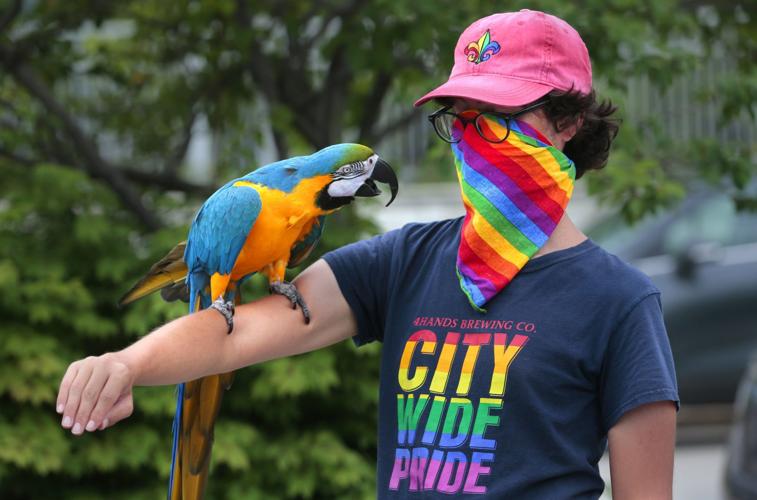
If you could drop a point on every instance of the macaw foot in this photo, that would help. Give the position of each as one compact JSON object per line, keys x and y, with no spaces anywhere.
{"x":226,"y":309}
{"x":289,"y":291}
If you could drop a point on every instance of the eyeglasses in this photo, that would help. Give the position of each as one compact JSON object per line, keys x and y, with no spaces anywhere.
{"x":443,"y":121}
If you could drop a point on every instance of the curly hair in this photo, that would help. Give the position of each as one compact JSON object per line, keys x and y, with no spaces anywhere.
{"x":590,"y":147}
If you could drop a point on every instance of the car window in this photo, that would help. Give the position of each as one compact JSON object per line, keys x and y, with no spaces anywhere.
{"x":712,"y":221}
{"x":630,"y":242}
{"x":746,"y":228}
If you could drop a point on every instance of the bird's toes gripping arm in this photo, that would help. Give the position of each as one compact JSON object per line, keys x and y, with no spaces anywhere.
{"x":289,"y":291}
{"x":226,"y":309}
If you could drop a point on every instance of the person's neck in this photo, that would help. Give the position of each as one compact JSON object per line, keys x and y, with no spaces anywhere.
{"x":565,"y":235}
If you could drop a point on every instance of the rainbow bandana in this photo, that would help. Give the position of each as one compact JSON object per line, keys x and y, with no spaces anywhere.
{"x":514,"y":193}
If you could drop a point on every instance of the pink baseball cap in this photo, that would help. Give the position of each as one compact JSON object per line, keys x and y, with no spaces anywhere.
{"x":514,"y":58}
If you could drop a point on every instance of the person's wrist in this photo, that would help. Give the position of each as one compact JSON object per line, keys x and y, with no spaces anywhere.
{"x":129,"y":359}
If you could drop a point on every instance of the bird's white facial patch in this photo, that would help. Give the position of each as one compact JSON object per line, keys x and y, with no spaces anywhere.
{"x":348,"y":178}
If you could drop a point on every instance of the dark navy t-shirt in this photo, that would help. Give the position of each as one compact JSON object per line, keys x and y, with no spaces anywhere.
{"x":513,"y":403}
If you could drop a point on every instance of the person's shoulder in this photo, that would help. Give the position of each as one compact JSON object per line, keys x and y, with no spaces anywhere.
{"x":402,"y":243}
{"x":606,"y":287}
{"x":417,"y":242}
{"x":615,"y":276}
{"x":417,"y":232}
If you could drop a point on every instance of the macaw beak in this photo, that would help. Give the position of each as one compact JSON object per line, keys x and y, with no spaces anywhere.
{"x":382,"y":172}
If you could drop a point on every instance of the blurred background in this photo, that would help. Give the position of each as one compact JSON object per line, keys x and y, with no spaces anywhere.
{"x":118,"y":118}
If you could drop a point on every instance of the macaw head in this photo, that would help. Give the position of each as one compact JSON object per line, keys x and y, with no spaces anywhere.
{"x":354,"y":170}
{"x":342,"y":172}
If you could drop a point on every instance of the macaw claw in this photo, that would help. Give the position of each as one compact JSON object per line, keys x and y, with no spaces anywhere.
{"x":226,"y":309}
{"x":289,"y":291}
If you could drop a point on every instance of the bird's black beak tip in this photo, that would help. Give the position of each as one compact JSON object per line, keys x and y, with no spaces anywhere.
{"x":383,"y":172}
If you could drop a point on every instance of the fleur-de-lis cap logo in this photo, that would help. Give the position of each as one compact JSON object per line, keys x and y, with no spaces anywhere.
{"x":481,"y":50}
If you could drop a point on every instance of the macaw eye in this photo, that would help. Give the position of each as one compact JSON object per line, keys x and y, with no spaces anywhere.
{"x":351,"y":170}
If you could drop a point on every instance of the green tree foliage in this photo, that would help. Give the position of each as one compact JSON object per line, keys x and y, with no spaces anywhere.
{"x":98,"y":105}
{"x":293,"y":428}
{"x":65,"y":252}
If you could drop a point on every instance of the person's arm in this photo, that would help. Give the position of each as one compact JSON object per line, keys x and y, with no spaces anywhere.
{"x":641,"y":445}
{"x":96,"y":391}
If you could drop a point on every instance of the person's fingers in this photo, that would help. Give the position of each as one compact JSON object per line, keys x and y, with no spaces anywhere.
{"x":75,"y":391}
{"x":117,"y":384}
{"x":122,"y":409}
{"x":89,"y":396}
{"x":65,"y":385}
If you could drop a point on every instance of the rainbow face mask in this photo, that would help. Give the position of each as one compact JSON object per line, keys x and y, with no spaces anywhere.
{"x":515,"y":192}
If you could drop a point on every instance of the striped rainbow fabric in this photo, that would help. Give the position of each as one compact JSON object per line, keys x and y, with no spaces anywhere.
{"x":514,"y":193}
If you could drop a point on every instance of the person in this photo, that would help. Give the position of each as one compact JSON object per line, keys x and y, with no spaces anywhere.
{"x":514,"y":348}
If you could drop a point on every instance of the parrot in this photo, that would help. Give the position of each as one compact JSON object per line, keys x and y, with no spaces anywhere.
{"x":263,"y":222}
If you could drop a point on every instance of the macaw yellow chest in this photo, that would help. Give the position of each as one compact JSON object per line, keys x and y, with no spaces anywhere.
{"x":284,"y":219}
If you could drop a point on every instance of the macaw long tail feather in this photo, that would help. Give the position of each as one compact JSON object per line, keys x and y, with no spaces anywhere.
{"x":197,"y":406}
{"x":175,"y":446}
{"x":193,"y":440}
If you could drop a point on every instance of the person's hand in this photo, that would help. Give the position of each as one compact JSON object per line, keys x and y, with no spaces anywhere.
{"x":95,"y":393}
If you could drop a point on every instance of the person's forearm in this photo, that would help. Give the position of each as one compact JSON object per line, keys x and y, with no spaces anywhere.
{"x":197,"y":344}
{"x":96,"y":392}
{"x":184,"y":349}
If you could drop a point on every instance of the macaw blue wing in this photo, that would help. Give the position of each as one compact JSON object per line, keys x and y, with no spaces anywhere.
{"x":302,"y":248}
{"x":218,"y":233}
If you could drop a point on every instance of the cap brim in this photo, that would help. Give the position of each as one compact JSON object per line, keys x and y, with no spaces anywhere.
{"x":493,"y":89}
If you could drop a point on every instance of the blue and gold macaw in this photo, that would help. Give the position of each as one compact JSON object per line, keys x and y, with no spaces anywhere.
{"x":266,"y":221}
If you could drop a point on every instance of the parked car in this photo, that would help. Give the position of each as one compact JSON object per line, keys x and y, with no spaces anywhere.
{"x":702,"y":255}
{"x":741,"y":468}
